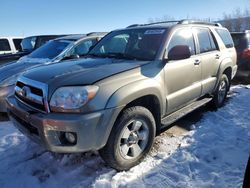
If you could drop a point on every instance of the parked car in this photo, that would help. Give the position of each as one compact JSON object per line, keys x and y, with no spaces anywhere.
{"x":134,"y":82}
{"x":54,"y":51}
{"x":242,"y":45}
{"x":28,"y":45}
{"x":10,"y":45}
{"x":246,"y":181}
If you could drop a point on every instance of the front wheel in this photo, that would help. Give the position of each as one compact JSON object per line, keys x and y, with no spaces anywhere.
{"x":130,"y":139}
{"x":221,"y":92}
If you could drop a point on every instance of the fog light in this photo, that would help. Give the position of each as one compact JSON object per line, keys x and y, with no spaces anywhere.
{"x":70,"y":137}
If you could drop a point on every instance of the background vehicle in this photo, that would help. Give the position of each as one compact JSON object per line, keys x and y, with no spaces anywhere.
{"x":134,"y":82}
{"x":246,"y":181}
{"x":242,"y":45}
{"x":68,"y":47}
{"x":28,"y":45}
{"x":10,"y":45}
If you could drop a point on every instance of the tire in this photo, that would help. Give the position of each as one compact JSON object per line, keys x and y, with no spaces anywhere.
{"x":130,"y":139}
{"x":221,"y":92}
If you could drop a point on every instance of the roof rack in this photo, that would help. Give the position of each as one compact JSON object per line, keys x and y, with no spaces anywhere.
{"x":96,"y":33}
{"x":178,"y":22}
{"x":154,"y":23}
{"x":198,"y":22}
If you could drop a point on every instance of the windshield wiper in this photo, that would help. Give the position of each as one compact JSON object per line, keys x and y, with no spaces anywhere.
{"x":119,"y":55}
{"x":93,"y":55}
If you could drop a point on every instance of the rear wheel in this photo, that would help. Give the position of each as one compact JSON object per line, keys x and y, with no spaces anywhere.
{"x":221,"y":92}
{"x":130,"y":139}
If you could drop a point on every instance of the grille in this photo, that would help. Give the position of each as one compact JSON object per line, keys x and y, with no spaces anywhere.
{"x":32,"y":93}
{"x":34,"y":90}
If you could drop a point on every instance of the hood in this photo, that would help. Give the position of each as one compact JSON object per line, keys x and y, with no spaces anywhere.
{"x":19,"y":67}
{"x":81,"y":72}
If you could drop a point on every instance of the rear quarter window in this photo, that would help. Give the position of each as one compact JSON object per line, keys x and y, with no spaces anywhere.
{"x":226,"y":37}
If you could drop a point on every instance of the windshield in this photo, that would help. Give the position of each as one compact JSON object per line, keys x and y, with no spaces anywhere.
{"x":140,"y":44}
{"x":28,"y":44}
{"x":50,"y":50}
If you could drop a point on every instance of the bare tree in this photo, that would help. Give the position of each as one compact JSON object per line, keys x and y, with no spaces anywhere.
{"x":161,"y":19}
{"x":227,"y":21}
{"x":246,"y":12}
{"x":238,"y":19}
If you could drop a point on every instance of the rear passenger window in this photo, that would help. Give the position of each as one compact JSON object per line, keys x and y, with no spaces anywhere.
{"x":226,"y":37}
{"x":182,"y":37}
{"x":206,"y":42}
{"x":4,"y":45}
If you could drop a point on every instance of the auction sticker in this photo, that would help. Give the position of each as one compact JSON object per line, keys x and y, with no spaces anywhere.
{"x":154,"y":31}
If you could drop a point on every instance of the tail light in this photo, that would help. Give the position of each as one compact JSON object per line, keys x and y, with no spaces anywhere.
{"x":246,"y":53}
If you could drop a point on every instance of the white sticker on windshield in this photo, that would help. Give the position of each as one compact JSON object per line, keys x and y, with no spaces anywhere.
{"x":154,"y":32}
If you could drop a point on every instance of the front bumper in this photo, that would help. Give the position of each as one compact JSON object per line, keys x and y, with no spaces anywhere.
{"x":4,"y":93}
{"x":92,"y":129}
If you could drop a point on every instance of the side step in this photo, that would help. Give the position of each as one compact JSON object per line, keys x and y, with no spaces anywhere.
{"x":171,"y":118}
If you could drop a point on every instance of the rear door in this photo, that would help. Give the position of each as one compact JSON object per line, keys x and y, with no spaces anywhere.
{"x":209,"y":54}
{"x":182,"y":77}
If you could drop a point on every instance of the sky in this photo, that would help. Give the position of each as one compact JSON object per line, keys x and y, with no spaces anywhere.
{"x":30,"y":17}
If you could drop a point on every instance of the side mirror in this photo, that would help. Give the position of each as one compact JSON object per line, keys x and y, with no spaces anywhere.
{"x":179,"y":52}
{"x":73,"y":56}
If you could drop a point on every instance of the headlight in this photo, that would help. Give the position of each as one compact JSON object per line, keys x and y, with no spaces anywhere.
{"x":9,"y":81}
{"x":71,"y":98}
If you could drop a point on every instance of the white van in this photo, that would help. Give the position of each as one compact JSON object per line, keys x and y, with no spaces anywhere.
{"x":10,"y":45}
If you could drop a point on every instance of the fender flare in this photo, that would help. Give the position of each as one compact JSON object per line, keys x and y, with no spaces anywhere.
{"x":225,"y":63}
{"x":135,"y":90}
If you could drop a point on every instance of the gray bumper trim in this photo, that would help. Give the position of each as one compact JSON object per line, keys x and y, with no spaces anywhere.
{"x":92,"y":129}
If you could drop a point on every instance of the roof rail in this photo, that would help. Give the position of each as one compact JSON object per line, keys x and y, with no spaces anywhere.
{"x":178,"y":22}
{"x":96,"y":33}
{"x":134,"y":25}
{"x":198,"y":22}
{"x":154,"y":23}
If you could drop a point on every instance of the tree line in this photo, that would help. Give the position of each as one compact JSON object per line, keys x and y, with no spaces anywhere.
{"x":237,"y":20}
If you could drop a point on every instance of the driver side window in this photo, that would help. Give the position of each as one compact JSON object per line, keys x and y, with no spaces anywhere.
{"x":83,"y":47}
{"x":182,"y":37}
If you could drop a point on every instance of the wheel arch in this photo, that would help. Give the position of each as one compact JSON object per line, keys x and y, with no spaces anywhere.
{"x":146,"y":93}
{"x":226,"y":67}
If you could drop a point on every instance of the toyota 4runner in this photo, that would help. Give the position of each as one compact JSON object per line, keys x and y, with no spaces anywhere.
{"x":132,"y":83}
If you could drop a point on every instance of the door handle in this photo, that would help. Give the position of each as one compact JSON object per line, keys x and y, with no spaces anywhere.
{"x":197,"y":62}
{"x":217,"y":56}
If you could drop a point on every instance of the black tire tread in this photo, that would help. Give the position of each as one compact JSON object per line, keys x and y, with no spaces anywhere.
{"x":215,"y":104}
{"x":107,"y":153}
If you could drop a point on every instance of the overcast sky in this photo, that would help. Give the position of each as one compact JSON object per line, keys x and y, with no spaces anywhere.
{"x":30,"y":17}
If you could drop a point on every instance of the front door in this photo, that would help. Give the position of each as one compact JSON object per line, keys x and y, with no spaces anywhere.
{"x":182,"y":77}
